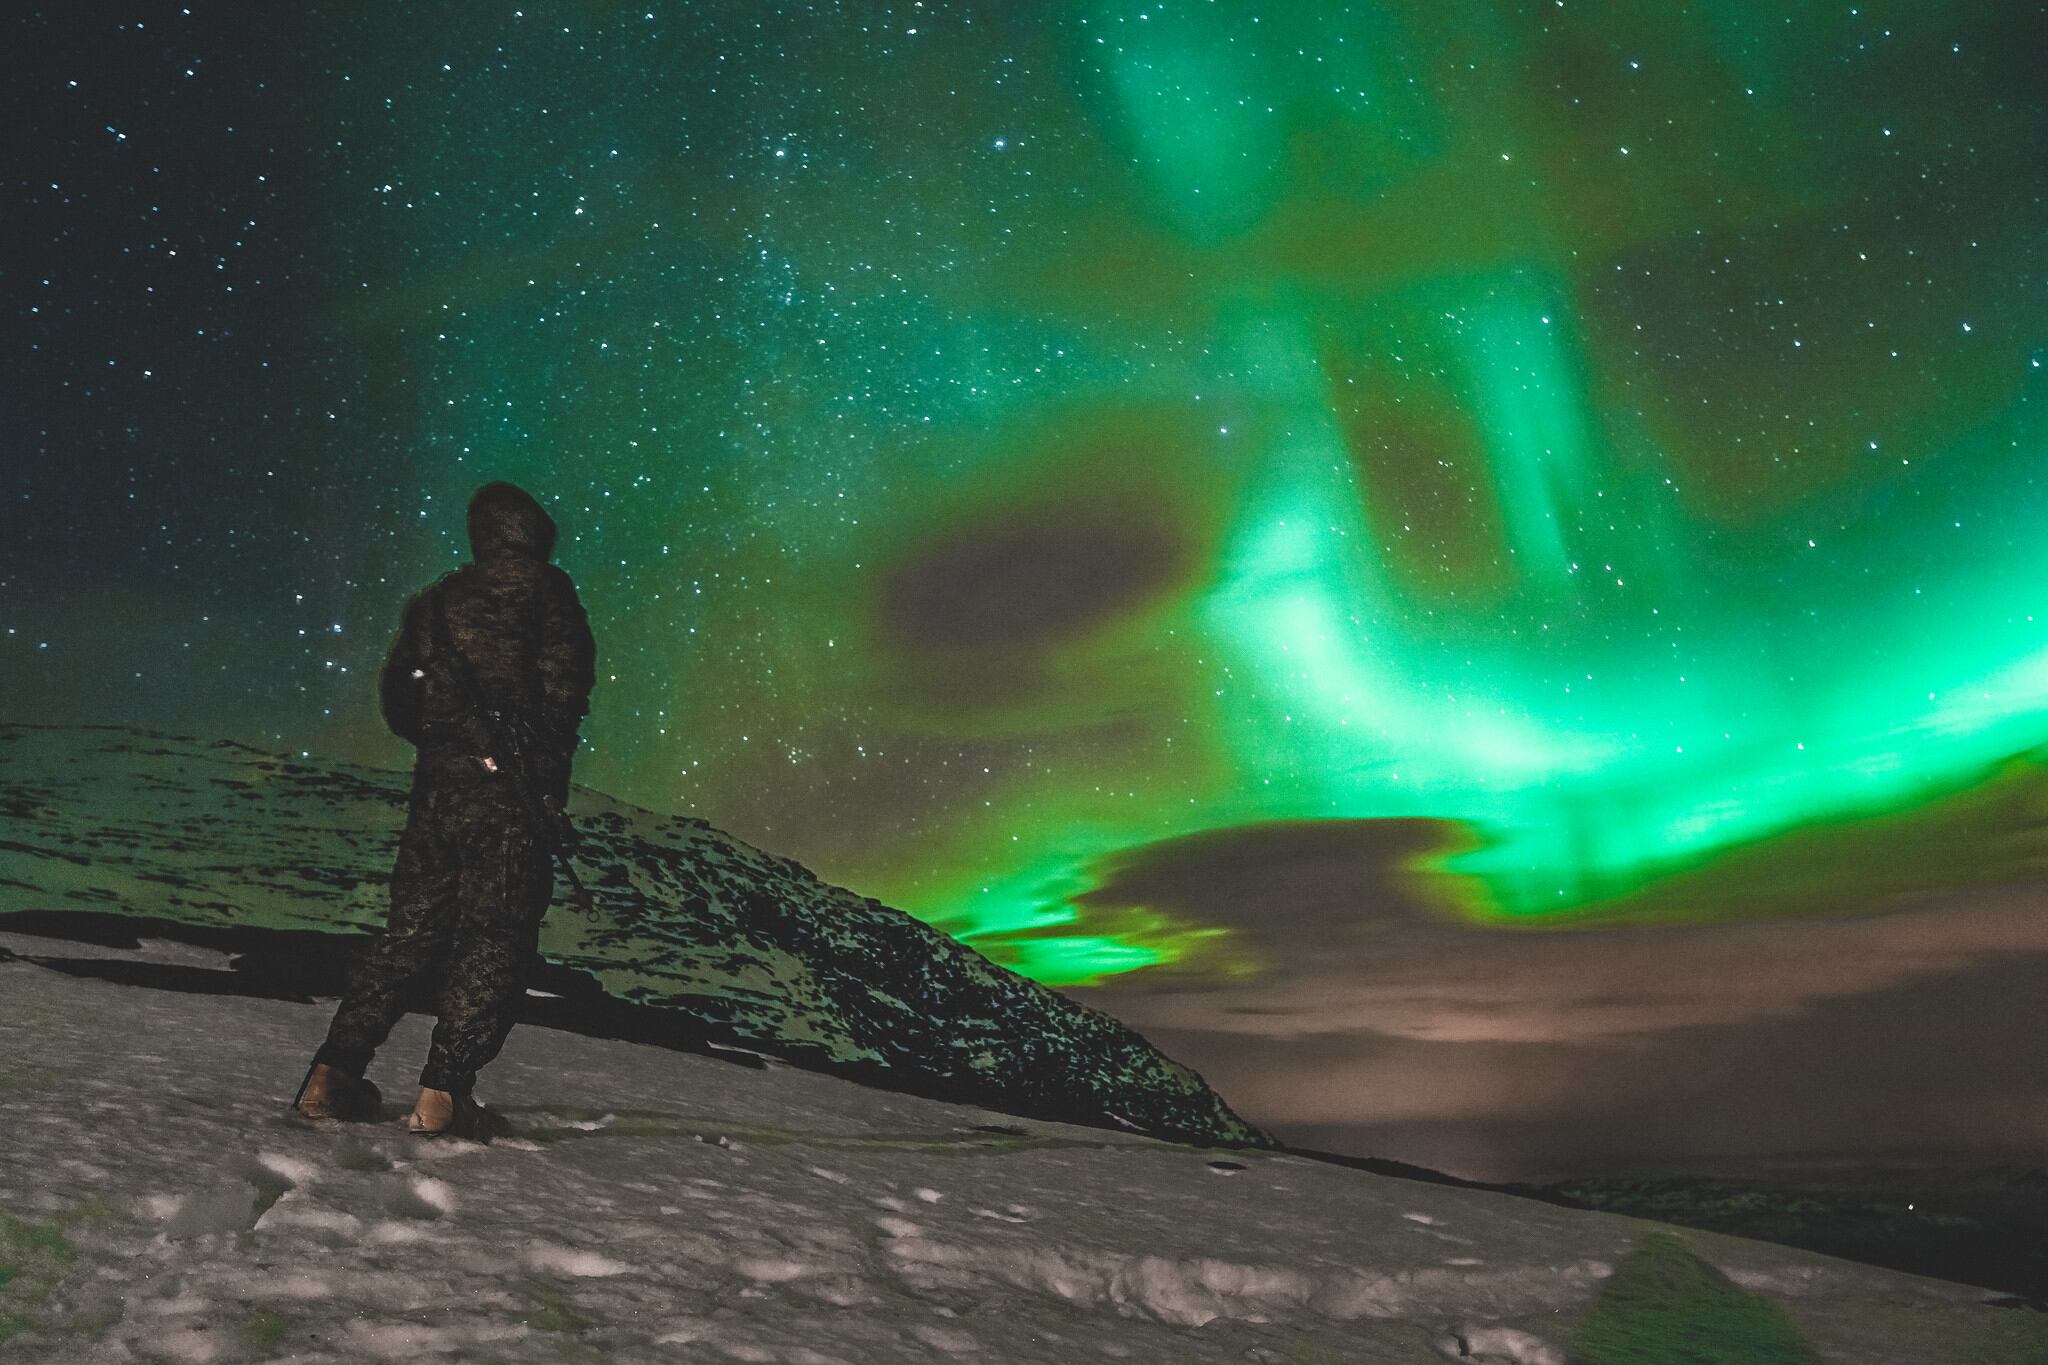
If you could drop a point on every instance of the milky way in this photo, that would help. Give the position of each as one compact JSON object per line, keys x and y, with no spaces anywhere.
{"x":997,"y":441}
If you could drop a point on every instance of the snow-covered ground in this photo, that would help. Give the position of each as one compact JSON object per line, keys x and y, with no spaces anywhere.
{"x":162,"y":1203}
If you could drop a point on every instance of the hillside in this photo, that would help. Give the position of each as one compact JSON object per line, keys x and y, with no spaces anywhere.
{"x":114,"y":834}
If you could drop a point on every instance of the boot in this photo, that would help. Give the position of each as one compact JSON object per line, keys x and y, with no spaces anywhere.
{"x":330,"y":1094}
{"x":432,"y":1114}
{"x":437,"y":1112}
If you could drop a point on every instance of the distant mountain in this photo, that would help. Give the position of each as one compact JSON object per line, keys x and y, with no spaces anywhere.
{"x":115,"y":835}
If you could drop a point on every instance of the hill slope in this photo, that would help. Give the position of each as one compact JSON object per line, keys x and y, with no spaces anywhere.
{"x":217,"y":844}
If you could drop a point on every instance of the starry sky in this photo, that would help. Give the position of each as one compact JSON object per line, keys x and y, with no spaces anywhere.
{"x":1435,"y":555}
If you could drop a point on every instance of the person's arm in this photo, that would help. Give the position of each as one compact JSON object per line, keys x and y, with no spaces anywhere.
{"x":567,"y":662}
{"x":403,"y":682}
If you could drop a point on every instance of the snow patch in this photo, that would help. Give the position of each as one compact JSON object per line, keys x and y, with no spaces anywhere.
{"x":772,"y":1269}
{"x":225,"y":1208}
{"x":298,"y":1286}
{"x":569,"y":1261}
{"x":999,"y":1217}
{"x":945,"y":1339}
{"x":290,"y":1169}
{"x":1186,"y":1293}
{"x":194,"y":1344}
{"x":289,"y":1212}
{"x":437,"y":1194}
{"x":389,"y":1233}
{"x":1190,"y":1292}
{"x":160,"y":1206}
{"x":1498,"y":1346}
{"x":448,"y":1147}
{"x":400,"y":1340}
{"x":1794,"y":1281}
{"x":169,"y":950}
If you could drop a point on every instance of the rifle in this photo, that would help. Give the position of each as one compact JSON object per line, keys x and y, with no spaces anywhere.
{"x":508,"y":735}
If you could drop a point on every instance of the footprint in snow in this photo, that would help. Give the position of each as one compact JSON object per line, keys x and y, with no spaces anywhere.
{"x":422,"y":1199}
{"x":233,"y":1203}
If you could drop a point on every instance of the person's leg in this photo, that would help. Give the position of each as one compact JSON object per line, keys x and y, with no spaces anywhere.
{"x":424,"y":885}
{"x":506,"y":879}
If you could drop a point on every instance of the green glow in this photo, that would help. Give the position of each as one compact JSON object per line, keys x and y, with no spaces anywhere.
{"x":1527,"y":420}
{"x":1528,"y":400}
{"x":1077,"y":961}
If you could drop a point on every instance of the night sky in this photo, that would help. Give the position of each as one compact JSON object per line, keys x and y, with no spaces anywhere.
{"x":1451,"y":561}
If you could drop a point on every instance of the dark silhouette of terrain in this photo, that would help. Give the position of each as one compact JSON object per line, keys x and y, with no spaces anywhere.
{"x":277,"y":867}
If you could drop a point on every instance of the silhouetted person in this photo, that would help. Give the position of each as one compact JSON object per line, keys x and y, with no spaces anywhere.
{"x":489,"y":678}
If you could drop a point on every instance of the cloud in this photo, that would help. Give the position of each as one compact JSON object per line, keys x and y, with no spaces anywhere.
{"x":1043,"y":584}
{"x":1461,"y":983}
{"x":1024,"y":580}
{"x":1385,"y":1028}
{"x":1287,"y":893}
{"x":1941,"y":1063}
{"x":1343,"y":913}
{"x":1380,"y":1026}
{"x":1283,"y":880}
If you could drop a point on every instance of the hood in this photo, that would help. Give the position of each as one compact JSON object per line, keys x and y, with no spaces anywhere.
{"x":505,"y":520}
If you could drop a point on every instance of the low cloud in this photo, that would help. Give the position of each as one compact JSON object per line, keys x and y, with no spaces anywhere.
{"x":1379,"y":1026}
{"x":1936,"y":1065}
{"x":1460,"y":984}
{"x":1340,"y":911}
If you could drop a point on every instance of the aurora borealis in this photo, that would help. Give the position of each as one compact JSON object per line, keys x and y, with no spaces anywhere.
{"x":1528,"y":464}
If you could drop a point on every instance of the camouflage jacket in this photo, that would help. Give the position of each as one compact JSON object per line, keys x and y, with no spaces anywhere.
{"x":518,"y":622}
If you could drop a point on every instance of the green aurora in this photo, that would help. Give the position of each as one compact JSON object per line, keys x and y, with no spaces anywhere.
{"x":992,"y":439}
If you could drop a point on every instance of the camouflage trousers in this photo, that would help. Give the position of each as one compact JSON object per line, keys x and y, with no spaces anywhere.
{"x":468,"y":893}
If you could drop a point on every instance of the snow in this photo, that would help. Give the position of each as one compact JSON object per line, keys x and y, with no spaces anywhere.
{"x":561,"y":1260}
{"x":838,"y":1225}
{"x":1499,"y":1344}
{"x":437,"y":1195}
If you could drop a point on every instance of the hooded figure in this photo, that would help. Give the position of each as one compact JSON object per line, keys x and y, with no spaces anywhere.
{"x":490,"y":679}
